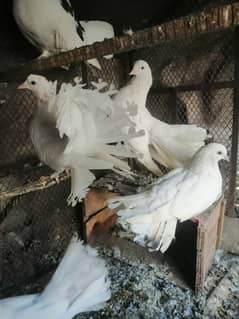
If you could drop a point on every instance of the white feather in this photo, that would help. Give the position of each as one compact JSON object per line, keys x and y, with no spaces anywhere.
{"x":79,"y":284}
{"x":96,"y":31}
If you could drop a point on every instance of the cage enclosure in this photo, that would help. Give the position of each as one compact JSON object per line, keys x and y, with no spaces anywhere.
{"x":194,"y":61}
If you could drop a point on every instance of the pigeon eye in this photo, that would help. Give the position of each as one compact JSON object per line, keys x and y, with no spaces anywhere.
{"x":142,"y":67}
{"x":33,"y":82}
{"x":219,"y":153}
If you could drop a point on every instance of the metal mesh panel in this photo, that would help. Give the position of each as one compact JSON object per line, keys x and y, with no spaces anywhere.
{"x":191,"y":61}
{"x":217,"y":119}
{"x":111,"y":72}
{"x":159,"y":105}
{"x":33,"y":235}
{"x":15,"y":141}
{"x":167,"y":107}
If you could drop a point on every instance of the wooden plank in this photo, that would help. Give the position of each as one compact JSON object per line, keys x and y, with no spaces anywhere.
{"x":221,"y":222}
{"x":101,"y":222}
{"x":95,"y":201}
{"x":200,"y":23}
{"x":208,"y":236}
{"x":32,"y":186}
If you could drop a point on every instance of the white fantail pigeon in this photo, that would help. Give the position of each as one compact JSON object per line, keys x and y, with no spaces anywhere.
{"x":51,"y":26}
{"x":79,"y":284}
{"x":170,"y":145}
{"x":179,"y":195}
{"x":79,"y":129}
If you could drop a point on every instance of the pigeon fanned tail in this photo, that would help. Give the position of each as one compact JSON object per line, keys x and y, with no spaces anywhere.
{"x":174,"y":145}
{"x":81,"y":273}
{"x":79,"y":284}
{"x":90,"y":122}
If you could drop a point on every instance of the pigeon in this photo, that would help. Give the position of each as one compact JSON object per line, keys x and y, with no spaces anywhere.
{"x":170,"y":145}
{"x":179,"y":195}
{"x":51,"y":26}
{"x":79,"y":130}
{"x":79,"y":284}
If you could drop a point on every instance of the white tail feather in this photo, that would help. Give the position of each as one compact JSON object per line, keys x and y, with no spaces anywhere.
{"x":164,"y":236}
{"x":93,"y":298}
{"x":174,"y":145}
{"x":90,"y":122}
{"x":80,"y":281}
{"x":81,"y":179}
{"x":141,"y":144}
{"x":151,"y":229}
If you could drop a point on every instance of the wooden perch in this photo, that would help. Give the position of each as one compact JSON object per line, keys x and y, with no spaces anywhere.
{"x":206,"y":20}
{"x":40,"y":183}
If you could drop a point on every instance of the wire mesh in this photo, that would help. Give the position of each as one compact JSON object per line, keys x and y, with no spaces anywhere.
{"x":33,"y":235}
{"x":158,"y":105}
{"x":15,"y":143}
{"x":202,"y":58}
{"x":111,"y":72}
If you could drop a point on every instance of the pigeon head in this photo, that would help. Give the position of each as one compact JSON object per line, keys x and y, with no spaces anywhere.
{"x":39,"y":85}
{"x":213,"y":152}
{"x":217,"y":150}
{"x":141,"y":67}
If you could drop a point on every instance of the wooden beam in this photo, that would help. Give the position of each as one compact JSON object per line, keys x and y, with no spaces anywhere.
{"x":206,"y":20}
{"x":23,"y":187}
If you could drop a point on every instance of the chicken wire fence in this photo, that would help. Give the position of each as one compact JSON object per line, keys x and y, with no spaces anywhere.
{"x":194,"y":82}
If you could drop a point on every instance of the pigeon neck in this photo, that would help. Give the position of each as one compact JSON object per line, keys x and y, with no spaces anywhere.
{"x":143,"y":80}
{"x":142,"y":84}
{"x":46,"y":103}
{"x":45,"y":110}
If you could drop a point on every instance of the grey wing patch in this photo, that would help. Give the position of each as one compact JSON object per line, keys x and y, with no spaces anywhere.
{"x":68,"y":8}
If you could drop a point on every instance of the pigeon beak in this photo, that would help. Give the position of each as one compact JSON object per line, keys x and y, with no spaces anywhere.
{"x":23,"y":86}
{"x":226,"y":158}
{"x":132,"y":72}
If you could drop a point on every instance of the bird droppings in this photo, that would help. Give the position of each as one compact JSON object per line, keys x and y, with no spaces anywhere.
{"x":121,"y":184}
{"x":236,"y":203}
{"x":146,"y":291}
